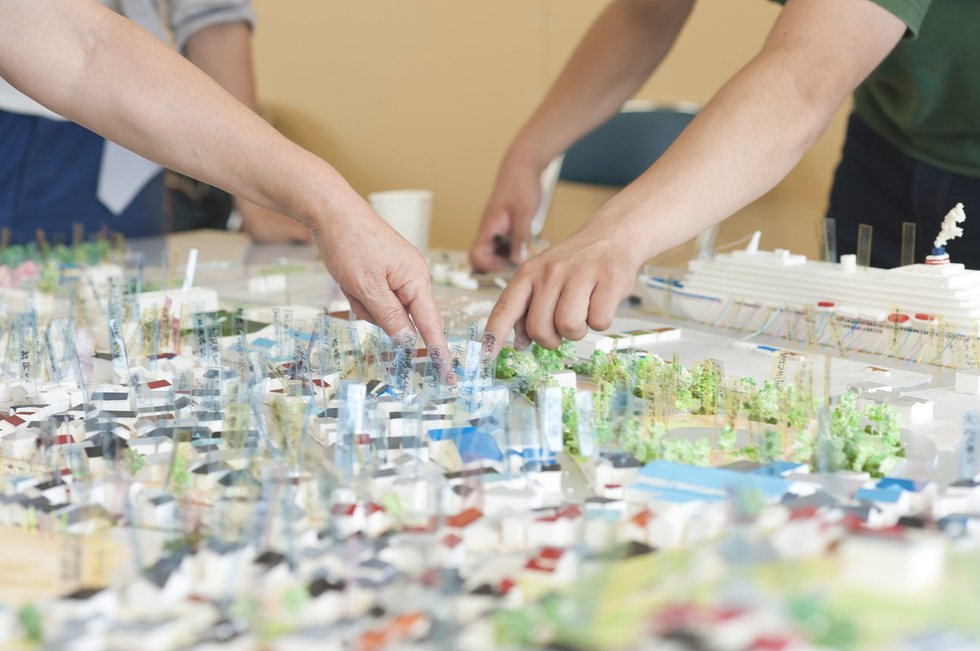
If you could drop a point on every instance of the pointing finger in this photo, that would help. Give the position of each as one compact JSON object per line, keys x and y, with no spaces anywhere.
{"x":510,"y":307}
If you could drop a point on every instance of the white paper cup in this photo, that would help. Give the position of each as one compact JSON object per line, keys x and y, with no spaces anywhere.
{"x":407,"y":211}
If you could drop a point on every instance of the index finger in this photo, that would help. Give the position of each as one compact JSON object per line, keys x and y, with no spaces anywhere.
{"x":428,"y":320}
{"x":511,"y":306}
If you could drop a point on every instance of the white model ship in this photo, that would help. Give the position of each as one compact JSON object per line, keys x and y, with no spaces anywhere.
{"x":921,"y":312}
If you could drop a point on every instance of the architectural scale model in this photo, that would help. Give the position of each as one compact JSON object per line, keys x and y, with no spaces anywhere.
{"x":179,"y":473}
{"x":924,"y":312}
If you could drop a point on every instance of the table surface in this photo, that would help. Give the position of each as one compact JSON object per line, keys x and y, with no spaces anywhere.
{"x":228,"y":260}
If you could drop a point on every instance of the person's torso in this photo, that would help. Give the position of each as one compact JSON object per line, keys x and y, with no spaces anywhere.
{"x":925,"y":96}
{"x":54,"y":173}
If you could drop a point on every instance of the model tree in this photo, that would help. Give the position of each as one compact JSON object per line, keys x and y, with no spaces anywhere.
{"x":706,"y":387}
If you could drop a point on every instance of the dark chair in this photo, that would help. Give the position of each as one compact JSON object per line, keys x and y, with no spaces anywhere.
{"x":616,"y":153}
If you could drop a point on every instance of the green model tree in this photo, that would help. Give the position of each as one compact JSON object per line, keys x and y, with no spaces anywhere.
{"x":133,"y":461}
{"x":531,"y":370}
{"x":695,"y":453}
{"x":865,"y":440}
{"x":180,"y":476}
{"x":770,"y":446}
{"x":238,"y":420}
{"x":879,"y":447}
{"x":706,"y":387}
{"x":30,"y":620}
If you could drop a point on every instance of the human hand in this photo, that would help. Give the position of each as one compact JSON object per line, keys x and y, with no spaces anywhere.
{"x":384,"y":277}
{"x":504,"y":237}
{"x":268,"y":227}
{"x":574,"y":286}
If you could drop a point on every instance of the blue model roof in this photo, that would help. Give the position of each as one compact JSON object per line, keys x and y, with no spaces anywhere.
{"x":779,"y":468}
{"x":678,"y":496}
{"x":471,"y":443}
{"x":709,"y":481}
{"x":301,"y":335}
{"x":899,"y":483}
{"x":602,"y":514}
{"x":885,"y":495}
{"x":534,"y":454}
{"x":450,"y":433}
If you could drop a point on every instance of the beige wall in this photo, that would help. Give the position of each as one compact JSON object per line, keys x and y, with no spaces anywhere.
{"x":427,"y":93}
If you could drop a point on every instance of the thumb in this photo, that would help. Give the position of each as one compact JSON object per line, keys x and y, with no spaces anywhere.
{"x":485,"y":253}
{"x":520,"y":237}
{"x":522,"y":216}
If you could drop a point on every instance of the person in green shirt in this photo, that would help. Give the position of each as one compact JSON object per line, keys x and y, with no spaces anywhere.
{"x":912,"y":150}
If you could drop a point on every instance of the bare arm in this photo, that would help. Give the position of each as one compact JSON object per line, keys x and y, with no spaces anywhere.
{"x":617,"y":55}
{"x":224,"y":52}
{"x":744,"y":142}
{"x":96,"y":68}
{"x":759,"y":125}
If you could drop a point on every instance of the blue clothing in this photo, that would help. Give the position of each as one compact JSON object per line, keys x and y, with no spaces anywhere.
{"x":877,"y":184}
{"x":49,"y":172}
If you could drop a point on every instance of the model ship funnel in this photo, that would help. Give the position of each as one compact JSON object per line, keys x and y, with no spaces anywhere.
{"x":949,"y":230}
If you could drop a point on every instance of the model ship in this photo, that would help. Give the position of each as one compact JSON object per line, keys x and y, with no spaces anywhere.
{"x":924,"y":312}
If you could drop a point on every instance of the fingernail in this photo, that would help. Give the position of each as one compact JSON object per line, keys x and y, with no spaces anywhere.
{"x":404,"y":337}
{"x":440,"y":368}
{"x":489,"y":344}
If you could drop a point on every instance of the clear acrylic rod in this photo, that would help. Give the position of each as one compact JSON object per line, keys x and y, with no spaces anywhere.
{"x":908,"y":243}
{"x":864,"y":245}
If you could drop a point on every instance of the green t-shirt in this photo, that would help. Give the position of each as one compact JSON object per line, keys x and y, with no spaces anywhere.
{"x":925,"y":95}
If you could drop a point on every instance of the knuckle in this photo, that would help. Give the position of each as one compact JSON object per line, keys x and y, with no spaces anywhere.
{"x":527,"y":273}
{"x":554,"y":271}
{"x":570,"y":329}
{"x":607,"y":273}
{"x":542,"y":335}
{"x":534,"y":331}
{"x":360,"y":285}
{"x":600,"y":321}
{"x":389,"y":316}
{"x":551,"y":342}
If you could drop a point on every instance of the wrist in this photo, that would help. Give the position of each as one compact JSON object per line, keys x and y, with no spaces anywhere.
{"x":319,"y":201}
{"x":529,"y":153}
{"x":629,"y":229}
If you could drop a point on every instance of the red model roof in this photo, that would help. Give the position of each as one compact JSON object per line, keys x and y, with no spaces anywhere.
{"x":642,"y":519}
{"x":551,"y":553}
{"x":451,"y":541}
{"x":464,"y":519}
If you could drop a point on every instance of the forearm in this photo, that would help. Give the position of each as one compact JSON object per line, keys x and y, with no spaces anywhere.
{"x":91,"y":67}
{"x":617,"y":55}
{"x":735,"y":151}
{"x":753,"y":132}
{"x":224,"y":53}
